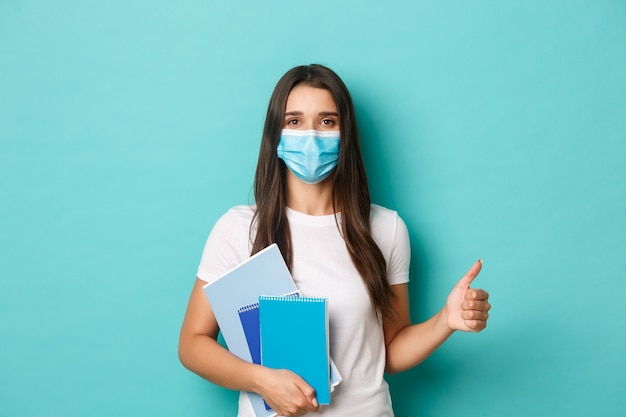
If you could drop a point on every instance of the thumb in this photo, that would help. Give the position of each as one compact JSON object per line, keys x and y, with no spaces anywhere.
{"x":469,"y":276}
{"x":307,"y":391}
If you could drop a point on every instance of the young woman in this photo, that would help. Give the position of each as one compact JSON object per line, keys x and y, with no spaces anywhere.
{"x":312,"y":199}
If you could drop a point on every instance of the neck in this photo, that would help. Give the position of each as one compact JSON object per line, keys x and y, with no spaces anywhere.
{"x":311,"y":199}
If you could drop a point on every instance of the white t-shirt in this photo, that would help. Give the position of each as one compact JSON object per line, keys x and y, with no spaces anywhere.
{"x":322,"y":268}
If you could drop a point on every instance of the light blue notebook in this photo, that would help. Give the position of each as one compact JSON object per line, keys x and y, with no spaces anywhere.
{"x":294,"y":336}
{"x":263,"y":273}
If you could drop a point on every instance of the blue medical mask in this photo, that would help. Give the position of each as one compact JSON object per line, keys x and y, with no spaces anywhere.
{"x":311,"y":155}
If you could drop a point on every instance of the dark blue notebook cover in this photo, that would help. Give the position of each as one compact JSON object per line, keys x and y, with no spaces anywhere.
{"x":249,"y":316}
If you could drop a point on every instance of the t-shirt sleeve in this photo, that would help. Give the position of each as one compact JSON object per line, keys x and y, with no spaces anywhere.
{"x":400,"y":255}
{"x":226,"y":246}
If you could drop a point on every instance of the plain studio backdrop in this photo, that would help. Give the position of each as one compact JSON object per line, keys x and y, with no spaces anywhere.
{"x":496,"y":129}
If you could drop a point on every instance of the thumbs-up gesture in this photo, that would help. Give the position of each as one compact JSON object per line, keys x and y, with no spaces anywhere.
{"x":467,"y":309}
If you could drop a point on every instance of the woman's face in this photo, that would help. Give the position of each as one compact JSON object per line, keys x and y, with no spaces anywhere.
{"x":310,"y":108}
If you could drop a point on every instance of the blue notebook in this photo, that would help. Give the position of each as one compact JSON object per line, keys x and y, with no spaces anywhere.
{"x":294,"y":336}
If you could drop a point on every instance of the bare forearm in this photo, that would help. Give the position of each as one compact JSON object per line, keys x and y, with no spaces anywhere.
{"x":204,"y":356}
{"x":415,"y":343}
{"x":284,"y":391}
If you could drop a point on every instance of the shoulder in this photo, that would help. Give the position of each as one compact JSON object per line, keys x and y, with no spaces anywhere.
{"x":382,"y":213}
{"x":236,"y":217}
{"x":228,"y":243}
{"x":235,"y":223}
{"x":387,"y":228}
{"x":383,"y":219}
{"x":392,"y":237}
{"x":241,"y":212}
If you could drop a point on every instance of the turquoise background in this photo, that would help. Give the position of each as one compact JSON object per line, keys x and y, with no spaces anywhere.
{"x":496,"y":129}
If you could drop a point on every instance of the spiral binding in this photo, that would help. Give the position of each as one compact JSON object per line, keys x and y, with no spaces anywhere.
{"x":248,"y":308}
{"x":294,"y":299}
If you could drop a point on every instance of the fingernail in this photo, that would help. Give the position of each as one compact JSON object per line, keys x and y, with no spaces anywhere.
{"x":314,"y":402}
{"x":480,"y":260}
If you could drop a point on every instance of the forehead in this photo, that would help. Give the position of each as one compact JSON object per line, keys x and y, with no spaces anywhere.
{"x":306,"y":98}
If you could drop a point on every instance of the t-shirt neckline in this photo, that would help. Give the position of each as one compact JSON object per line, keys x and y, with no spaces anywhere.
{"x":310,"y":220}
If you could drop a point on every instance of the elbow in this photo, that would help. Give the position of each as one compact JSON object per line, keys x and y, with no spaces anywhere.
{"x":392,"y":368}
{"x":396,"y":363}
{"x":183,"y":353}
{"x":390,"y":371}
{"x":182,"y":358}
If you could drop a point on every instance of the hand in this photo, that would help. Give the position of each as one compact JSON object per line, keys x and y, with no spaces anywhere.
{"x":287,"y":393}
{"x":467,"y":308}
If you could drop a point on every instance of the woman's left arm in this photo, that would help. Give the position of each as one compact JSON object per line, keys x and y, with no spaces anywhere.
{"x":407,"y":345}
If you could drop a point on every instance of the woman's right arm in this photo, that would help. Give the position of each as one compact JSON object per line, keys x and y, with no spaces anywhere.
{"x":199,"y":351}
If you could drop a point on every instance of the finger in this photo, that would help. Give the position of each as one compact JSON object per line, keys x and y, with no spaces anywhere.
{"x":476,"y":294}
{"x":470,"y":275}
{"x":480,"y":305}
{"x":475,"y":325}
{"x":309,"y":394}
{"x":474,"y":315}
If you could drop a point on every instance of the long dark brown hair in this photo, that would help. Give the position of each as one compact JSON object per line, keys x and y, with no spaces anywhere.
{"x":350,"y":191}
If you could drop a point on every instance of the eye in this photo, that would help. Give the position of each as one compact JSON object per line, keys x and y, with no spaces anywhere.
{"x":328,"y":122}
{"x":292,"y":122}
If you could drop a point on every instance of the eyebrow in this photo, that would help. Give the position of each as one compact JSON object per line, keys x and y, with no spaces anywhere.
{"x":322,"y":113}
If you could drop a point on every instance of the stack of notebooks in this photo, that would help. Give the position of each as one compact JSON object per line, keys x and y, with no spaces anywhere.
{"x":264,"y":320}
